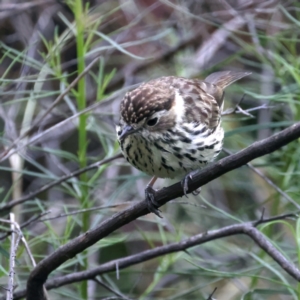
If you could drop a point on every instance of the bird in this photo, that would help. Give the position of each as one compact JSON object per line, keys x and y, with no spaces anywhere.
{"x":170,"y":127}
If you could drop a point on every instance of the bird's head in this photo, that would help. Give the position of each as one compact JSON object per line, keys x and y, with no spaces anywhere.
{"x":147,"y":109}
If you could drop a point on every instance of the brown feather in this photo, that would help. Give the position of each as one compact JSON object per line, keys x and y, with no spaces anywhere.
{"x":225,"y":78}
{"x":203,"y":99}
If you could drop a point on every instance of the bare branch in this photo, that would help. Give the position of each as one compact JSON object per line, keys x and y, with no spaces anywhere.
{"x":248,"y":228}
{"x":41,"y":272}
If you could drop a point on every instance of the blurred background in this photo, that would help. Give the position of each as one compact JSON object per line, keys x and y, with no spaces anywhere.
{"x":46,"y":44}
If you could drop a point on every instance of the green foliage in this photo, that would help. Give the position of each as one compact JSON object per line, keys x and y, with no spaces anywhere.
{"x":133,"y":44}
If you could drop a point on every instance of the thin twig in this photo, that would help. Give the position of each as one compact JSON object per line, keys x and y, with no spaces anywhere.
{"x":269,"y":181}
{"x":210,"y":297}
{"x":12,"y":257}
{"x":238,"y":110}
{"x":55,"y":102}
{"x":15,"y":229}
{"x":80,"y":211}
{"x":106,"y":286}
{"x":7,"y":153}
{"x":25,"y":224}
{"x":46,"y":187}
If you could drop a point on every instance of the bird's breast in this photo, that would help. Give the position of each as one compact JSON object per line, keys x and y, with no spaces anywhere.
{"x":174,"y":152}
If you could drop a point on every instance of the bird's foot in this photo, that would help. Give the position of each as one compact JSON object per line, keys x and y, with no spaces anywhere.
{"x":185,"y":184}
{"x":196,"y":192}
{"x":152,"y":204}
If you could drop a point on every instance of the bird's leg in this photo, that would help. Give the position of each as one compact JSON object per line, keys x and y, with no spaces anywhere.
{"x":185,"y":184}
{"x":196,"y":192}
{"x":150,"y":198}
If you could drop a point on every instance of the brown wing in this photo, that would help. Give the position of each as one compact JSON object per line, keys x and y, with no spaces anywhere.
{"x":213,"y":96}
{"x":220,"y":80}
{"x":203,"y":99}
{"x":201,"y":105}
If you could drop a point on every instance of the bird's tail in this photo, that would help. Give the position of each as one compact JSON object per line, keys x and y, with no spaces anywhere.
{"x":225,"y":78}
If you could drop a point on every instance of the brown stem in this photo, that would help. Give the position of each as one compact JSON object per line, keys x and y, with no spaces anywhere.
{"x":41,"y":272}
{"x":248,"y":228}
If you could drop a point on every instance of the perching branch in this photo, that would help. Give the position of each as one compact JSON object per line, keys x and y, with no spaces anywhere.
{"x":248,"y":228}
{"x":41,"y":272}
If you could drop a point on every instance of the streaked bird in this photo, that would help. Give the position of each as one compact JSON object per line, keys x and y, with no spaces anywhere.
{"x":171,"y":126}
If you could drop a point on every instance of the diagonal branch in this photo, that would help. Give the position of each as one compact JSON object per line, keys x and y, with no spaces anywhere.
{"x":247,"y":228}
{"x":41,"y":272}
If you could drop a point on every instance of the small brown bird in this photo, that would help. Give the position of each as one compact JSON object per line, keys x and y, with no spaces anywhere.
{"x":171,"y":126}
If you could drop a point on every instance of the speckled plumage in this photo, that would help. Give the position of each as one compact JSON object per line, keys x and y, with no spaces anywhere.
{"x":187,"y":133}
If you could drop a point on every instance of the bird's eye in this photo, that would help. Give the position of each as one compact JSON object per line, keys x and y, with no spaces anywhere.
{"x":152,"y":122}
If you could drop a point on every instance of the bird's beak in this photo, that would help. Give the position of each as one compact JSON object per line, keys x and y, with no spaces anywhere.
{"x":127,"y":130}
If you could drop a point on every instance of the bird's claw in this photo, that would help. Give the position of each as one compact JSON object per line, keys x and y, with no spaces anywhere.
{"x":152,"y":204}
{"x":185,"y":184}
{"x":196,"y":192}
